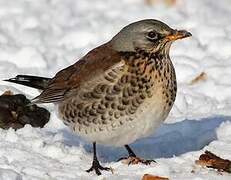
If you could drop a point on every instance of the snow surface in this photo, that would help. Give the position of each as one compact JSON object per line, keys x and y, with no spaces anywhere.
{"x":42,"y":37}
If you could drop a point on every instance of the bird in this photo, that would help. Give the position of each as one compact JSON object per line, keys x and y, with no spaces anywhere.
{"x":119,"y":91}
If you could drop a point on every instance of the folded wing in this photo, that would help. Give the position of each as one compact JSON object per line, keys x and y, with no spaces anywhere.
{"x":88,"y":69}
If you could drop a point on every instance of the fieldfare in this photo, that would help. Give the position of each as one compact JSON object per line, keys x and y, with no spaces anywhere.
{"x":118,"y":92}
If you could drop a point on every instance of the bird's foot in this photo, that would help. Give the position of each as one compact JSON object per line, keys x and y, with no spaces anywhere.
{"x":136,"y":160}
{"x":97,"y":167}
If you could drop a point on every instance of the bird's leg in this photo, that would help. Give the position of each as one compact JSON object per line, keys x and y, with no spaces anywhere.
{"x":130,"y":151}
{"x":133,"y":159}
{"x":95,"y":164}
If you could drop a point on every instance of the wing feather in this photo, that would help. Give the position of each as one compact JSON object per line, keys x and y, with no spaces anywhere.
{"x":90,"y":67}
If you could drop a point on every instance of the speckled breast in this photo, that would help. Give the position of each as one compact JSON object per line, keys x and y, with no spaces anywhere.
{"x":114,"y":99}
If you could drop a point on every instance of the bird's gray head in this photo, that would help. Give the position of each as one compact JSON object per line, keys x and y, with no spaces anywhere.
{"x":149,"y":35}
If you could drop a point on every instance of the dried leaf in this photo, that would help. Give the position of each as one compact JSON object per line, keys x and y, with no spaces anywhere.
{"x":167,"y":2}
{"x":152,"y":177}
{"x":9,"y":93}
{"x":200,"y":77}
{"x":210,"y":160}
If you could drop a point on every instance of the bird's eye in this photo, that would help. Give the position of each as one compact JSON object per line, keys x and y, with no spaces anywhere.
{"x":152,"y":35}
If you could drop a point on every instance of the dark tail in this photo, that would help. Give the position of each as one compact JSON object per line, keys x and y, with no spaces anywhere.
{"x":30,"y":81}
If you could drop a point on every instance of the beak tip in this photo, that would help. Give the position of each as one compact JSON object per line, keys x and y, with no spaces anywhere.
{"x":184,"y":33}
{"x":188,"y":34}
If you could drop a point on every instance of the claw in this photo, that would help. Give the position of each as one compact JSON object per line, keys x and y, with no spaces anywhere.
{"x":135,"y":160}
{"x":97,"y":167}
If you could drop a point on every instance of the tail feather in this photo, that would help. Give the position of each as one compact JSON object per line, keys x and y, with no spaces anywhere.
{"x":30,"y":81}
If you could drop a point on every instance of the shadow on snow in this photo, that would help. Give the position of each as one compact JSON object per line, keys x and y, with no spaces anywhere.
{"x":167,"y":141}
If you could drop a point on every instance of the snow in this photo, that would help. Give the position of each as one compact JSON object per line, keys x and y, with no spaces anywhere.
{"x":42,"y":37}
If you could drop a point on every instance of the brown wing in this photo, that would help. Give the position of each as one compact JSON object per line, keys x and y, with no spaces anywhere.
{"x":70,"y":79}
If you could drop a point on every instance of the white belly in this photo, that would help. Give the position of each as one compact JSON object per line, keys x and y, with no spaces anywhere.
{"x":149,"y":117}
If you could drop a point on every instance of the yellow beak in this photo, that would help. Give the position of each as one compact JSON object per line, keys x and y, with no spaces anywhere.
{"x":178,"y":35}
